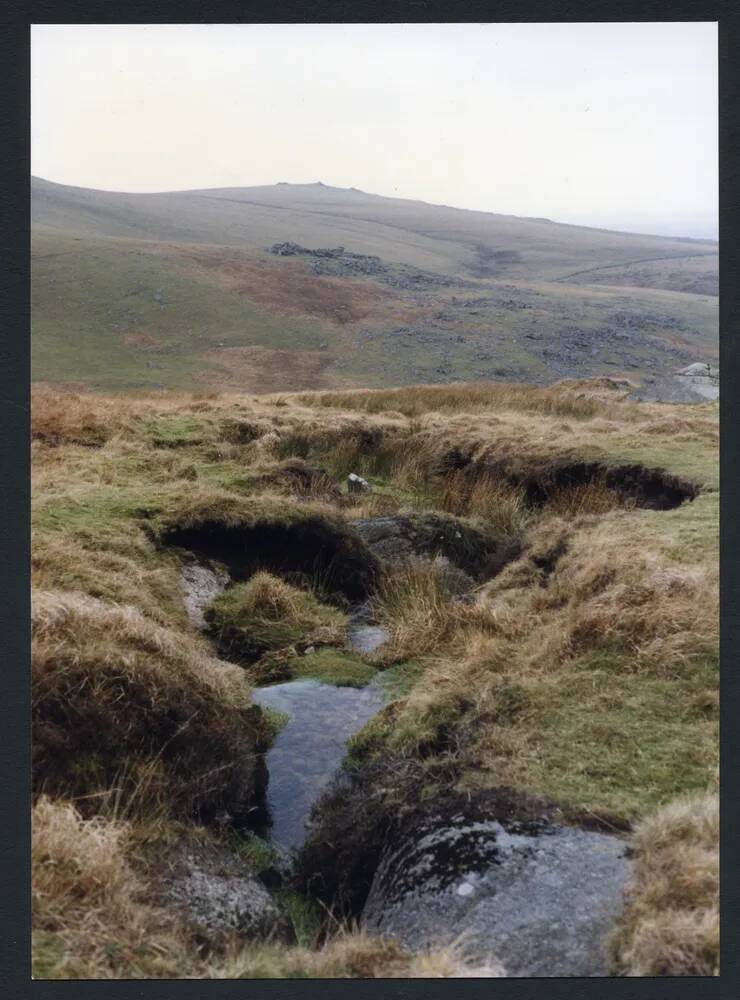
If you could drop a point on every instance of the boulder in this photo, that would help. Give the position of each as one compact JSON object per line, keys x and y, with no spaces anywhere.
{"x":403,"y":537}
{"x":200,"y":583}
{"x":699,"y":368}
{"x":219,"y":900}
{"x":696,"y":383}
{"x":536,"y":896}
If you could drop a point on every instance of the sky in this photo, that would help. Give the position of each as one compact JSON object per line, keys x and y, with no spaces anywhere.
{"x":597,"y":124}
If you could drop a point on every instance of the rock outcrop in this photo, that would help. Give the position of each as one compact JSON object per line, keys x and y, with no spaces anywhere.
{"x":694,"y":384}
{"x":702,"y":379}
{"x":343,"y":263}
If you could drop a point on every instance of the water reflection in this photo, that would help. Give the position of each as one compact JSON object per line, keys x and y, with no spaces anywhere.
{"x":307,"y":752}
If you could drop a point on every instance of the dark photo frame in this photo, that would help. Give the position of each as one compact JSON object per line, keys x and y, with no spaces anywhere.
{"x":15,"y":402}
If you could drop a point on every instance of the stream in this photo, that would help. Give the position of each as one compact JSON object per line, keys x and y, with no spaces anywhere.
{"x":308,"y":751}
{"x":540,"y":897}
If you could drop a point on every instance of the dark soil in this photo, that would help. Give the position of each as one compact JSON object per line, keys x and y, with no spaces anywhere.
{"x":652,"y":489}
{"x":333,"y":556}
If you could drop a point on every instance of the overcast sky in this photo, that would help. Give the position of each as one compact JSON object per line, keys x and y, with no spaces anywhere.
{"x":598,"y":124}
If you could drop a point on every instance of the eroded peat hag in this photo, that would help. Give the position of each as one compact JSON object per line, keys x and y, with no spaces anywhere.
{"x":547,"y":605}
{"x":570,"y":486}
{"x":315,"y":548}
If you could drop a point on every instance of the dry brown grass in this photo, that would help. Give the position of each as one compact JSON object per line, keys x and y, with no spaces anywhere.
{"x":133,"y":578}
{"x":352,"y":954}
{"x":272,"y":599}
{"x":69,"y":418}
{"x":303,"y":482}
{"x":127,"y":710}
{"x":620,"y":594}
{"x":412,"y":401}
{"x":503,"y":507}
{"x":671,"y":924}
{"x":594,"y":497}
{"x":415,"y":604}
{"x":89,"y":920}
{"x":602,"y":584}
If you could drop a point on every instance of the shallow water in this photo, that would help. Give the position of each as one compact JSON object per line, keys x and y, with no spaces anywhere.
{"x":308,"y":751}
{"x":366,"y":638}
{"x":363,"y":636}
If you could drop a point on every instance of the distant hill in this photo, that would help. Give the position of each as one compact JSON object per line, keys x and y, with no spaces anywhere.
{"x":181,"y":289}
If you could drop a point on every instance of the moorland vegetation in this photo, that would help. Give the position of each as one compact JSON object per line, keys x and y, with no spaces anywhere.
{"x":582,"y":666}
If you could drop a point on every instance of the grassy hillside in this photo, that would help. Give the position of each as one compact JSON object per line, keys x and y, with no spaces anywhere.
{"x":426,"y":236}
{"x":179,"y":291}
{"x":584,"y":671}
{"x":117,"y":314}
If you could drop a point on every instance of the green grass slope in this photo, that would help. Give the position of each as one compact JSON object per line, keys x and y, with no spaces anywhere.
{"x":178,"y":291}
{"x":113,"y":314}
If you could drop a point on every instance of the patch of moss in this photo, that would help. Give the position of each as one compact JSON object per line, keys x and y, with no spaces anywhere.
{"x":254,"y":851}
{"x":305,"y":915}
{"x":421,"y":732}
{"x":175,"y":430}
{"x":399,"y":679}
{"x":332,"y":666}
{"x":275,"y":721}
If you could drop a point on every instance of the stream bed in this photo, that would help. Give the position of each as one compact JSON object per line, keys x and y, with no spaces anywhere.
{"x":538,"y":897}
{"x":308,"y":750}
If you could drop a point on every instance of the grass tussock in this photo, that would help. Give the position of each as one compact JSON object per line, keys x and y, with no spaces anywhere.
{"x":420,"y":610}
{"x":664,"y":618}
{"x":126,"y":711}
{"x":671,"y":923}
{"x":89,"y":920}
{"x":501,"y":506}
{"x":265,"y":614}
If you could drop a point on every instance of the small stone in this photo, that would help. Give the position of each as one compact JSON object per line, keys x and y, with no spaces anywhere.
{"x":356,"y":484}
